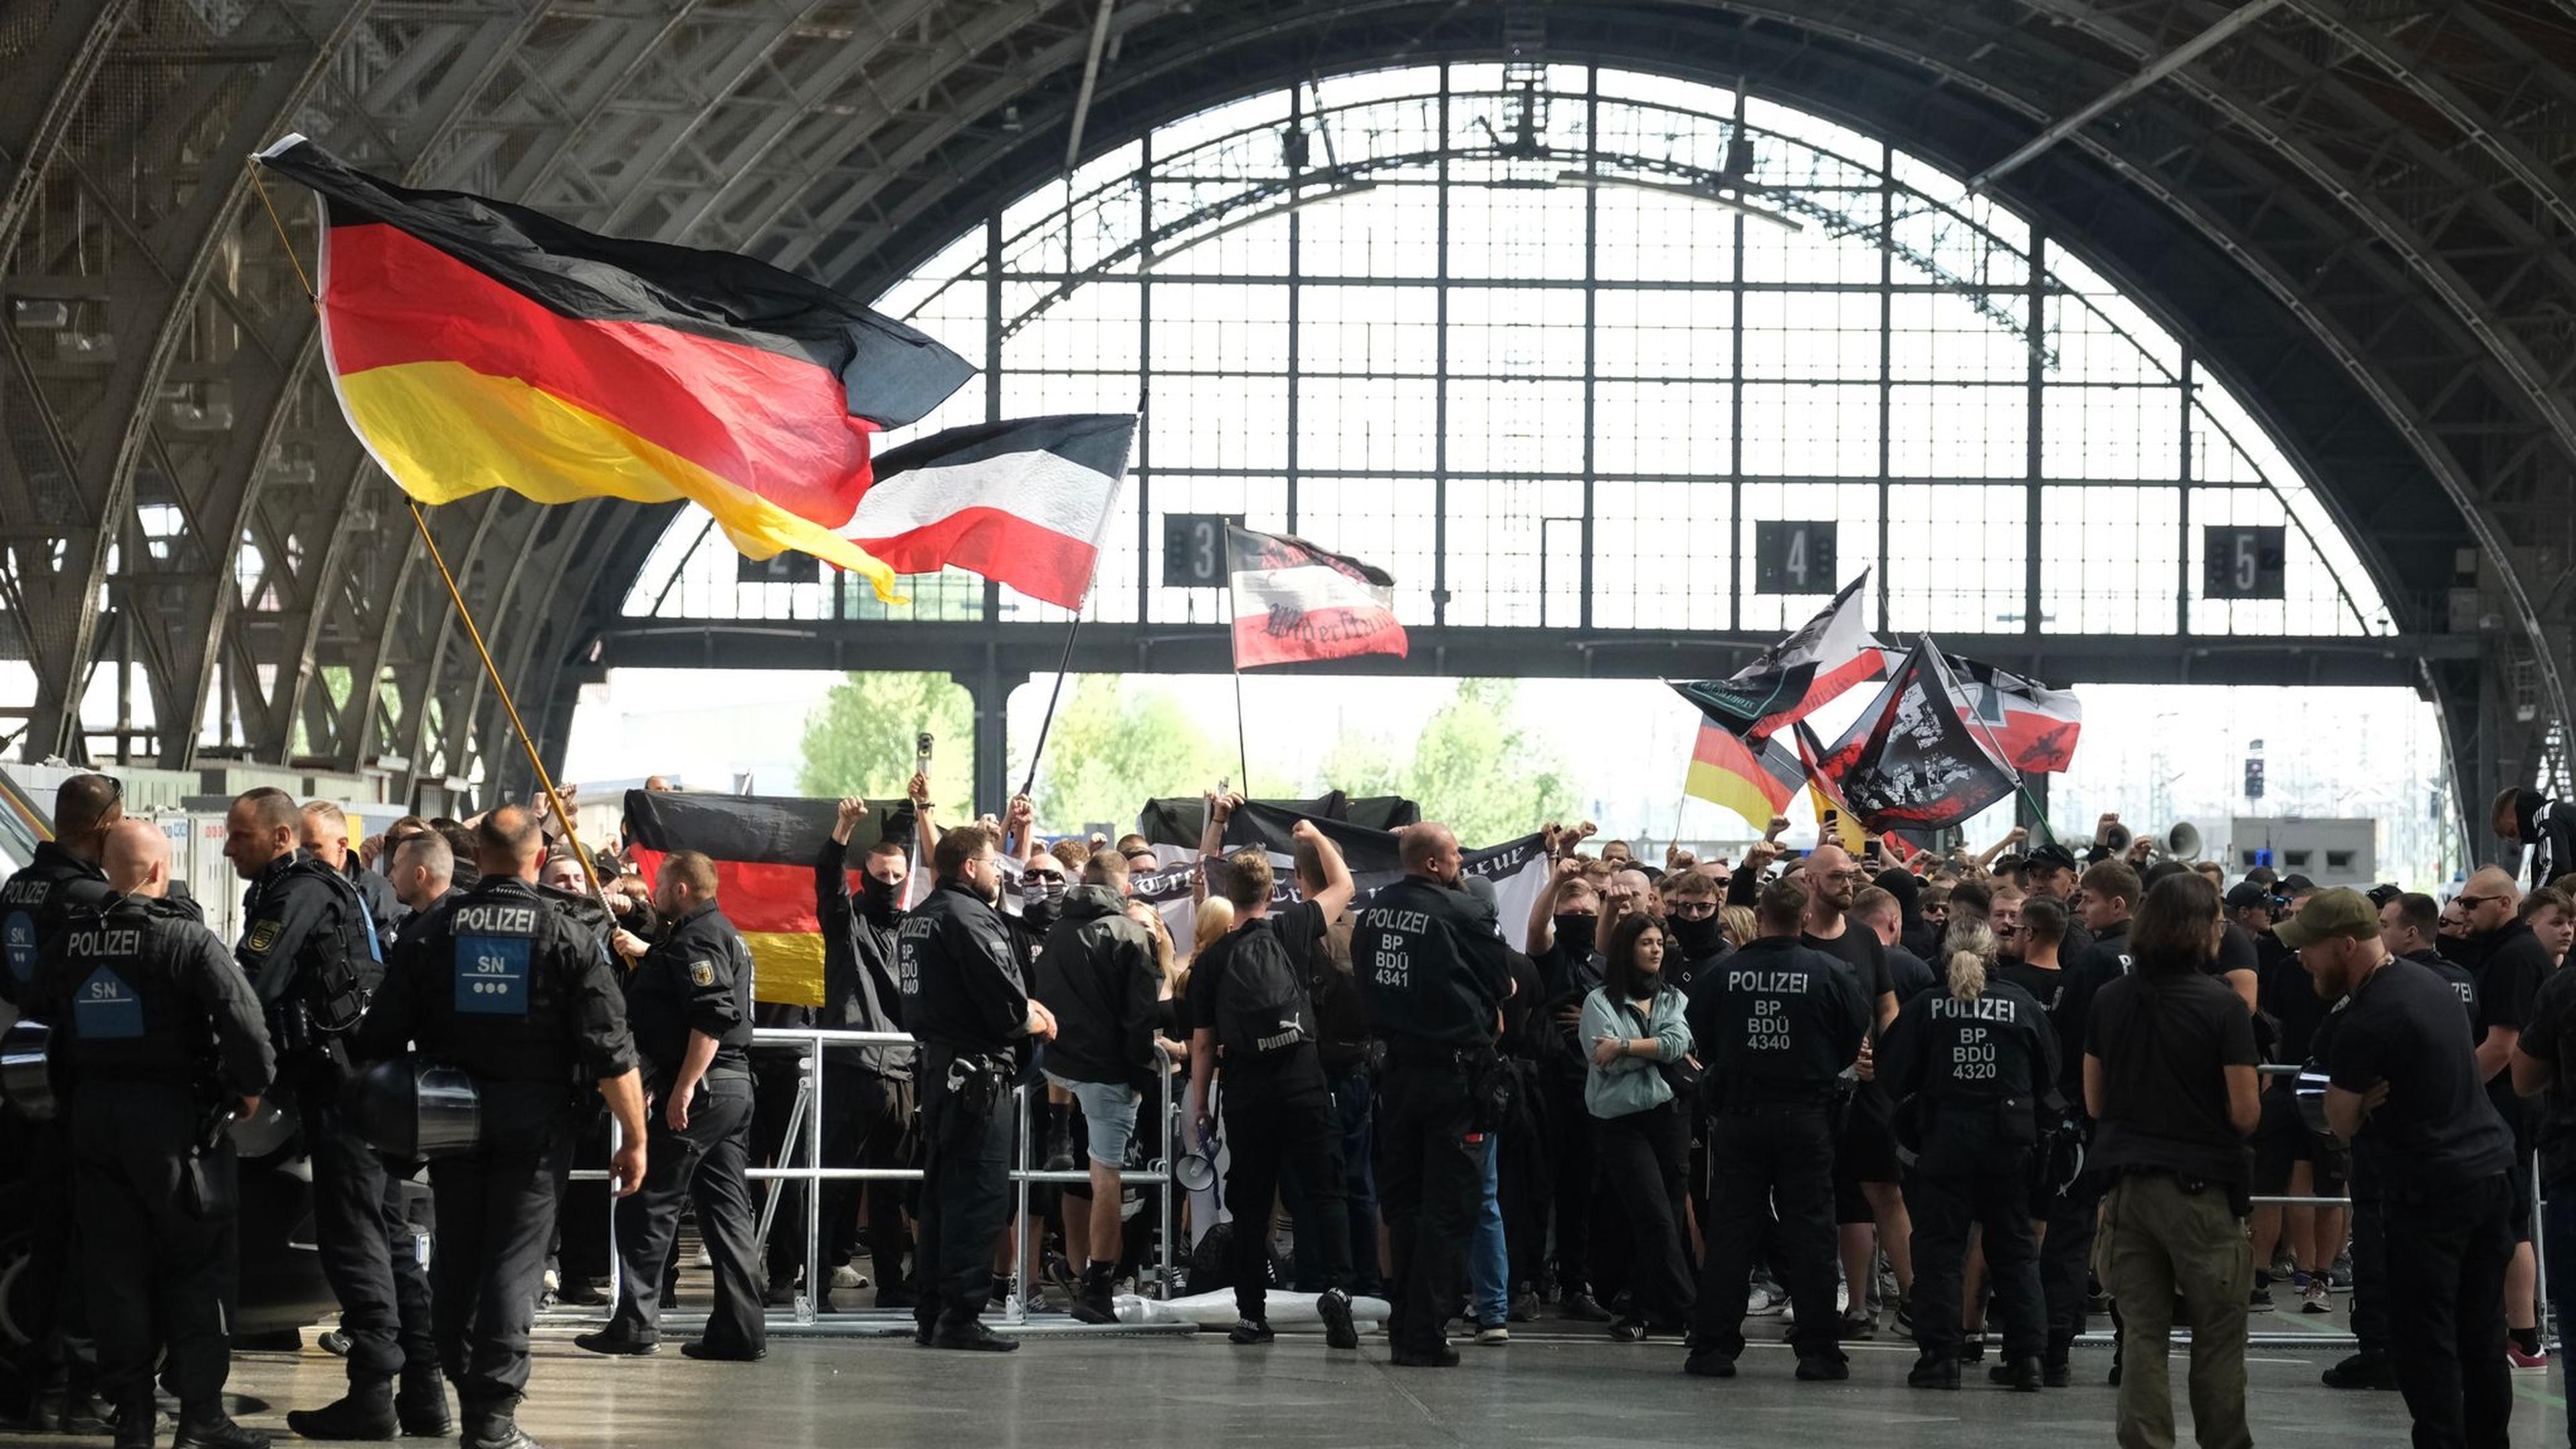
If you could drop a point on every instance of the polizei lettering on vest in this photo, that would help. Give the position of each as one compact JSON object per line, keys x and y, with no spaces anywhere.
{"x":494,"y":920}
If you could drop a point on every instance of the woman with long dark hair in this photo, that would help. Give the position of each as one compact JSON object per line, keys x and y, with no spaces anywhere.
{"x":2169,"y":1076}
{"x":1633,"y":1028}
{"x":1968,"y":1060}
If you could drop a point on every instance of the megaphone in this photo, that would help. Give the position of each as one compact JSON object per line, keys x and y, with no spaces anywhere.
{"x":2116,"y":838}
{"x":2183,"y":841}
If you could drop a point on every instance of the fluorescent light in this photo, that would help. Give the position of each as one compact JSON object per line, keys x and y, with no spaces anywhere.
{"x":1599,"y":179}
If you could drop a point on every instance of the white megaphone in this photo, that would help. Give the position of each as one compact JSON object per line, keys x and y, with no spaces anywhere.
{"x":2182,"y":842}
{"x":2116,"y":838}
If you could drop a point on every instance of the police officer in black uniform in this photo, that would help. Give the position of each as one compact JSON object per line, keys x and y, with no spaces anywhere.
{"x":966,"y":1003}
{"x":506,"y":986}
{"x":1973,"y":1055}
{"x":160,"y":1042}
{"x":63,"y":877}
{"x":689,"y":1007}
{"x":1433,"y":977}
{"x":1778,"y":1022}
{"x":311,"y":951}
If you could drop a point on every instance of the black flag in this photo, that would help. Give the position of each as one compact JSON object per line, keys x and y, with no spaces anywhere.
{"x":1911,"y":761}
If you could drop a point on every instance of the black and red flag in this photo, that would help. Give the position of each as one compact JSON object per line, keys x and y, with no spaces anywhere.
{"x":2033,"y":727}
{"x":1912,"y":760}
{"x":475,"y":344}
{"x":1823,"y":657}
{"x":1294,"y":601}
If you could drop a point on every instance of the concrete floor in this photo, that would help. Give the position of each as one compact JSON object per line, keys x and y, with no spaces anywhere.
{"x":1551,"y":1386}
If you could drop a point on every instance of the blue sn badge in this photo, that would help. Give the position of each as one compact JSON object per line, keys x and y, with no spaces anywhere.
{"x":18,"y":943}
{"x":107,"y":1009}
{"x":492,"y":975}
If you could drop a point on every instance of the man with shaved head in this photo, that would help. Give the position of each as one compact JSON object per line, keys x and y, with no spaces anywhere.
{"x":2510,"y":963}
{"x":1433,"y":977}
{"x":1867,"y":1206}
{"x":312,"y":953}
{"x":135,"y":991}
{"x":34,"y":903}
{"x":514,"y":988}
{"x":324,"y":834}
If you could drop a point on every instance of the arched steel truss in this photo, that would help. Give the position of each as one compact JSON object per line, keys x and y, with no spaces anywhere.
{"x":2360,"y":210}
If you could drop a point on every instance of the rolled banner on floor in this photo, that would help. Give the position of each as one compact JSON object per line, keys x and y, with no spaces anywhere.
{"x":1217,"y":1310}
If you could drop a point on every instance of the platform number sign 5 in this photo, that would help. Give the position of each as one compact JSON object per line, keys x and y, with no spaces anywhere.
{"x":2240,"y":561}
{"x":1194,"y":549}
{"x":1794,"y":557}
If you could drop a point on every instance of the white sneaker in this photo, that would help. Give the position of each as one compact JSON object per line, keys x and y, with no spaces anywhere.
{"x":846,"y":1276}
{"x":1763,"y":1302}
{"x":1493,"y":1334}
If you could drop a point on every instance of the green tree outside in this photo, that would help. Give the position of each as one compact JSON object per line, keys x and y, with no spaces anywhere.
{"x":860,"y":740}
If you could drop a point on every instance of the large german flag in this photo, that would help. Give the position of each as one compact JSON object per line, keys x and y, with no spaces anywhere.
{"x":476,"y":344}
{"x":764,"y":848}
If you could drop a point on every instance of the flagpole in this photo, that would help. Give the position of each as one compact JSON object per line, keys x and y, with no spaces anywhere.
{"x":1061,"y":665}
{"x":1242,"y":753}
{"x":1992,"y":746}
{"x":526,"y":741}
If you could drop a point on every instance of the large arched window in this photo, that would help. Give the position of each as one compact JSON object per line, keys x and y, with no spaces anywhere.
{"x":1552,"y":343}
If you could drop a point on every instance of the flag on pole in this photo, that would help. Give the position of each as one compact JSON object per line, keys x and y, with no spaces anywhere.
{"x":1912,"y":760}
{"x":2033,"y":727}
{"x":764,"y":849}
{"x":1825,"y":656}
{"x":1753,"y":778}
{"x":475,"y":344}
{"x":1294,"y":601}
{"x":1825,"y":795}
{"x":1023,"y":503}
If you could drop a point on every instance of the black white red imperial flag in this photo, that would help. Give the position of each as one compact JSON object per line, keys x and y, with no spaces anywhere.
{"x":1022,"y":502}
{"x":1294,"y":601}
{"x":1825,"y":656}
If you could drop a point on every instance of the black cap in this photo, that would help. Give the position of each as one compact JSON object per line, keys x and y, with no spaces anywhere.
{"x":2051,"y":856}
{"x":2383,"y":893}
{"x":2246,"y":893}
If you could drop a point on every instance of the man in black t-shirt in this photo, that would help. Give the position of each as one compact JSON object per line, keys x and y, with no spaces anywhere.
{"x":1879,"y":912}
{"x":2410,"y":925}
{"x":2544,"y":1072}
{"x":2510,"y":963}
{"x":2103,"y":903}
{"x":1868,"y":1208}
{"x":2405,"y":1091}
{"x":1278,"y":1113}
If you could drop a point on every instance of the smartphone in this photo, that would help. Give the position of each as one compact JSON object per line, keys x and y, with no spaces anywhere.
{"x":921,"y":754}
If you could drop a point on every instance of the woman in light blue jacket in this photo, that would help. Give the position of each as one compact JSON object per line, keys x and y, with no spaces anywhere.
{"x":1638,"y":1038}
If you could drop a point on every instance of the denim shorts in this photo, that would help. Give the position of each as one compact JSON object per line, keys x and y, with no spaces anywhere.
{"x":1108,"y":1115}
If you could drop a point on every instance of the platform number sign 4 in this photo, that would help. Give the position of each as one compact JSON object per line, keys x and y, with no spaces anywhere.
{"x":1194,"y":549}
{"x":1794,"y":557}
{"x":2240,"y":561}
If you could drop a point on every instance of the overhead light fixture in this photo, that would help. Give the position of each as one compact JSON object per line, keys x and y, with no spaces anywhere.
{"x":1596,"y":180}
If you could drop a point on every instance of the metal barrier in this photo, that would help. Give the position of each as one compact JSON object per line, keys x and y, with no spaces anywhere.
{"x":805,"y":1121}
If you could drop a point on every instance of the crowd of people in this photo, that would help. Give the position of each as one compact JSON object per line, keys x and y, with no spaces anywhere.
{"x":1967,"y":1100}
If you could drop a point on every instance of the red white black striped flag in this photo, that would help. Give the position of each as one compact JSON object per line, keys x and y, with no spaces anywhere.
{"x":1294,"y":601}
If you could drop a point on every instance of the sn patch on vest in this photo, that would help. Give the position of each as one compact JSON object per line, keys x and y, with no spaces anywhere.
{"x":18,"y":944}
{"x":107,"y":1008}
{"x":492,"y":975}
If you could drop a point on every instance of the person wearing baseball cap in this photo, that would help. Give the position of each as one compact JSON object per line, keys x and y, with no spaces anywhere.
{"x":2404,"y":1089}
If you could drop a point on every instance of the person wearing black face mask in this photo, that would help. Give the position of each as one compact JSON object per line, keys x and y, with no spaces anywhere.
{"x":1560,"y":936}
{"x":867,"y":1090}
{"x":1696,"y":936}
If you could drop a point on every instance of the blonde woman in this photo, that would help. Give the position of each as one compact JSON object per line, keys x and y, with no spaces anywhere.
{"x":1967,"y":1060}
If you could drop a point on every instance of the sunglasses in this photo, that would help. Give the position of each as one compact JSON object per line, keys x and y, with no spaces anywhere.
{"x":2473,"y":902}
{"x":1693,"y":910}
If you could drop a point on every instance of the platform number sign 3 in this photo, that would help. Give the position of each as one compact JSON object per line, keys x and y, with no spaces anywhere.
{"x":2240,"y":561}
{"x":1794,"y":557}
{"x":1194,"y":549}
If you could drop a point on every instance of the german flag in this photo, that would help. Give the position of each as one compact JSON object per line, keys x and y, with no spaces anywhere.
{"x":475,"y":344}
{"x":764,"y":848}
{"x":1752,"y":777}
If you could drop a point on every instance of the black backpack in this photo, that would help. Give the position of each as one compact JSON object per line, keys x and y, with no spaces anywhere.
{"x":1264,"y":1009}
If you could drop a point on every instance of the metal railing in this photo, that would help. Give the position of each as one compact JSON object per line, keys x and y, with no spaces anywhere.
{"x":805,"y":1131}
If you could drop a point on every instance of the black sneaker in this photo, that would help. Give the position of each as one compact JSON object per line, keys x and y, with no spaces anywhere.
{"x":1708,"y":1363}
{"x":1904,"y":1321}
{"x":1582,"y":1305}
{"x":971,"y":1337}
{"x":1339,"y":1331}
{"x":2361,"y":1371}
{"x":1933,"y":1373}
{"x":1092,"y":1300}
{"x":1972,"y":1346}
{"x":1818,"y":1368}
{"x":1249,"y":1331}
{"x":705,"y":1352}
{"x":500,"y":1434}
{"x":2022,"y":1375}
{"x":609,"y":1342}
{"x":1524,"y":1307}
{"x":1629,"y":1330}
{"x":209,"y":1429}
{"x":2259,"y":1301}
{"x":1856,"y":1328}
{"x":363,"y":1414}
{"x":1442,"y":1357}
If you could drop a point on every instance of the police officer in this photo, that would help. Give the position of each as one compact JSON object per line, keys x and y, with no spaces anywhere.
{"x":1433,"y":977}
{"x":1973,"y":1055}
{"x":1778,"y":1022}
{"x":161,"y":1042}
{"x":966,"y":1003}
{"x":311,"y":952}
{"x":689,"y":1006}
{"x":505,"y":986}
{"x":63,"y":877}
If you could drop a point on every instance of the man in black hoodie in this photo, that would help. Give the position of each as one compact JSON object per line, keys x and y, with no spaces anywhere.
{"x":1098,"y":974}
